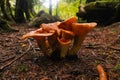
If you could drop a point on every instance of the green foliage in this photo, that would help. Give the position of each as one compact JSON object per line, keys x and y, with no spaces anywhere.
{"x":66,"y":10}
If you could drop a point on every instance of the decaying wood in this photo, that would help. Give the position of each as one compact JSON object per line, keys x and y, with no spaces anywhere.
{"x":43,"y":17}
{"x":98,"y":11}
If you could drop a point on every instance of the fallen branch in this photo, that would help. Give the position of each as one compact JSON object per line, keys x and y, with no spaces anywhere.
{"x":101,"y":72}
{"x":16,"y":58}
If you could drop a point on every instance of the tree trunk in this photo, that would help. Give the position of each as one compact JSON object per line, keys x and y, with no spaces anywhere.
{"x":88,"y":1}
{"x":10,"y":10}
{"x":50,"y":7}
{"x":31,"y":4}
{"x":21,"y":9}
{"x":2,"y":6}
{"x":57,"y":9}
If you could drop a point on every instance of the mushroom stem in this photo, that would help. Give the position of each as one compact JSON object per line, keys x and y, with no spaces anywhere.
{"x":64,"y":46}
{"x":76,"y":45}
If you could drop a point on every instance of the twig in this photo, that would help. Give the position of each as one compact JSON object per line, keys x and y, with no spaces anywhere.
{"x":95,"y":46}
{"x":117,"y":49}
{"x":33,"y":47}
{"x":93,"y":53}
{"x":7,"y":59}
{"x":16,"y":58}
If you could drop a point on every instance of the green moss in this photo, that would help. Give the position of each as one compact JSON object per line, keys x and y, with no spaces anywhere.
{"x":116,"y":67}
{"x":21,"y":68}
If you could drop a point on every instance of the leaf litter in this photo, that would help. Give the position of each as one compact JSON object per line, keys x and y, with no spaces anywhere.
{"x":101,"y":46}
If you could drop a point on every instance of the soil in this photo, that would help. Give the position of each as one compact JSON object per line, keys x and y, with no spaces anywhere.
{"x":101,"y":46}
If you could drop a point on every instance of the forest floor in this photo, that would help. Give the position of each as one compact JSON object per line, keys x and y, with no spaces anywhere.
{"x":101,"y":46}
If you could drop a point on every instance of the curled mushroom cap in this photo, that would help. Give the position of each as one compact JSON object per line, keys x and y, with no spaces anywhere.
{"x":38,"y":34}
{"x":44,"y":30}
{"x":67,"y":24}
{"x":82,"y":29}
{"x":51,"y":26}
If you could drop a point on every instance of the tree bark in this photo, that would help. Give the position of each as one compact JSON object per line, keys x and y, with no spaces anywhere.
{"x":10,"y":10}
{"x":57,"y":9}
{"x":50,"y":7}
{"x":2,"y":6}
{"x":21,"y":9}
{"x":88,"y":1}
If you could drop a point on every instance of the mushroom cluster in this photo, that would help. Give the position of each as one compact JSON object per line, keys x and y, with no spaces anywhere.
{"x":63,"y":38}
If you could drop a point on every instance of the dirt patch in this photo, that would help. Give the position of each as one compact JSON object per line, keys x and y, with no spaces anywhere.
{"x":101,"y":46}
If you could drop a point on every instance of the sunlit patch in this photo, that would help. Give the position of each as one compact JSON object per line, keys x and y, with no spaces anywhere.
{"x":54,"y":3}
